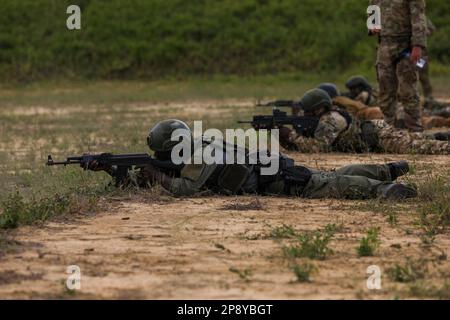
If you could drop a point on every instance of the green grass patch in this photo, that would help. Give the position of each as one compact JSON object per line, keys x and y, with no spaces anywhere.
{"x":282,"y":232}
{"x":410,"y":271}
{"x":312,"y":245}
{"x":369,"y":244}
{"x":304,"y":271}
{"x":17,"y":211}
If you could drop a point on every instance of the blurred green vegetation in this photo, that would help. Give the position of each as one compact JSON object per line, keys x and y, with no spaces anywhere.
{"x":152,"y":39}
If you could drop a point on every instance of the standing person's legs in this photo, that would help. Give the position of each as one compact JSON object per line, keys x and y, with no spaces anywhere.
{"x":424,"y":77}
{"x":408,"y":94}
{"x":387,"y":80}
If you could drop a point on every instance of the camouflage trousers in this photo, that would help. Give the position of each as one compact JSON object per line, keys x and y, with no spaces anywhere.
{"x":392,"y":140}
{"x":424,"y":77}
{"x":439,"y":110}
{"x":359,"y":181}
{"x":351,"y":182}
{"x":397,"y":79}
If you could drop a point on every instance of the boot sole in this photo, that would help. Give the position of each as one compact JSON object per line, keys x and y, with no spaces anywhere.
{"x":399,"y":191}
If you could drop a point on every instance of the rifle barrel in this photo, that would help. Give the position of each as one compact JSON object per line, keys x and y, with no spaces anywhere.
{"x":73,"y":160}
{"x":54,"y":163}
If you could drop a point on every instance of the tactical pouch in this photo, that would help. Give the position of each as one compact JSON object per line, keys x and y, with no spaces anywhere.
{"x":233,"y":177}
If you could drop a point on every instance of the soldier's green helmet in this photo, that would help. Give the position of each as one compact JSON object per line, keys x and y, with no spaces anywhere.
{"x":160,"y":136}
{"x":314,"y":99}
{"x":358,"y":82}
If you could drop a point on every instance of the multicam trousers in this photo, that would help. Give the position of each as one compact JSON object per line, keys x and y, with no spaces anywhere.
{"x":424,"y":77}
{"x":397,"y":78}
{"x":392,"y":140}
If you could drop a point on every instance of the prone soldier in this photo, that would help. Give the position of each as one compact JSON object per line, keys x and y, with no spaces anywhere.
{"x":339,"y":131}
{"x":361,"y":100}
{"x":351,"y":182}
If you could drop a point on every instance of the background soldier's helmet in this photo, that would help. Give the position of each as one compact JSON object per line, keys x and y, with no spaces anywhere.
{"x":315,"y":99}
{"x":358,"y":82}
{"x":159,"y":138}
{"x":330,"y":88}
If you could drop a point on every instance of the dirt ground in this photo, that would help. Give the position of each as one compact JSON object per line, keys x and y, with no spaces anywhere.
{"x":216,"y":247}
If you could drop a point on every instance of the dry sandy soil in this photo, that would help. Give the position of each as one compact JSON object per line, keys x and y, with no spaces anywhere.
{"x":216,"y":248}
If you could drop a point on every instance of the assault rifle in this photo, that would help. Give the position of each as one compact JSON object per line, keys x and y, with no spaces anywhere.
{"x":304,"y":126}
{"x":123,"y":162}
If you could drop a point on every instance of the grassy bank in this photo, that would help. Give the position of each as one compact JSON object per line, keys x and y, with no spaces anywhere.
{"x":166,"y":38}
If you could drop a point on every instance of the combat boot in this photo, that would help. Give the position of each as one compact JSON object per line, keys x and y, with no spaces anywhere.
{"x":397,"y":192}
{"x":442,"y":136}
{"x":398,"y":169}
{"x":413,"y":122}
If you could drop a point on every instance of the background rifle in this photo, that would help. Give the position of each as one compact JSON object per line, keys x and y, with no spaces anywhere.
{"x":305,"y":126}
{"x":280,"y":104}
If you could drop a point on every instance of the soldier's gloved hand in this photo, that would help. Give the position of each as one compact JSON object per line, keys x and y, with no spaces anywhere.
{"x":416,"y":54}
{"x":296,"y":110}
{"x":285,"y":133}
{"x":95,"y":166}
{"x":286,"y":139}
{"x":150,"y":173}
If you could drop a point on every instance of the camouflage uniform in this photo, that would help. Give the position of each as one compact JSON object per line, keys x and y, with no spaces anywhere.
{"x":424,"y":73}
{"x":335,"y":134}
{"x":403,"y":26}
{"x":401,"y":142}
{"x":439,"y":110}
{"x":350,"y":182}
{"x":368,"y":98}
{"x":193,"y":177}
{"x":364,"y":99}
